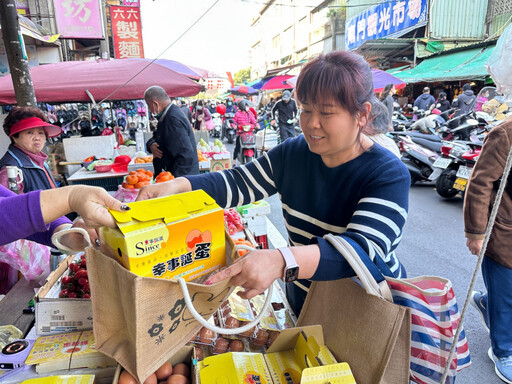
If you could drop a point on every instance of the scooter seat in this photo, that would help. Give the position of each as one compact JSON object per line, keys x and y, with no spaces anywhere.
{"x":433,"y":138}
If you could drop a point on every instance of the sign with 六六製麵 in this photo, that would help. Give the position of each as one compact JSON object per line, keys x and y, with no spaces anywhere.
{"x":126,"y":32}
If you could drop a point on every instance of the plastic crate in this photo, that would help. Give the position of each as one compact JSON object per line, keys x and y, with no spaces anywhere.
{"x":108,"y":183}
{"x":262,"y":241}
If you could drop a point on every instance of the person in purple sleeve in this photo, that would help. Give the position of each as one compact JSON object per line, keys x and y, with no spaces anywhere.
{"x":37,"y":215}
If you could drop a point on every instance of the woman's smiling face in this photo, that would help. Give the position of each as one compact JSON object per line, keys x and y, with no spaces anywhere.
{"x":331,"y":131}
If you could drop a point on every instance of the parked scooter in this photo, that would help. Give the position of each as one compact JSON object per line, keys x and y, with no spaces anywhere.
{"x":418,"y":159}
{"x":458,"y":164}
{"x":217,"y":124}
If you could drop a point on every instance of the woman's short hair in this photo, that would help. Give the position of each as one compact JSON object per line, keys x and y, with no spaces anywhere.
{"x":442,"y":95}
{"x":342,"y":76}
{"x":19,"y":113}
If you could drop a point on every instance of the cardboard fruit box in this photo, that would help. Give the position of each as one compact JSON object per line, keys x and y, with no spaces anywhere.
{"x":298,"y":355}
{"x":180,"y":235}
{"x":59,"y":315}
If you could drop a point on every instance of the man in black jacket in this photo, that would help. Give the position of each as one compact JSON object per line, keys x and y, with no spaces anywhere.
{"x":286,"y":109}
{"x":173,"y":145}
{"x":464,"y":102}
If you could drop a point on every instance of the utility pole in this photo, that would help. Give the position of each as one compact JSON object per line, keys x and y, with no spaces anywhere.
{"x":16,"y":56}
{"x":104,"y":44}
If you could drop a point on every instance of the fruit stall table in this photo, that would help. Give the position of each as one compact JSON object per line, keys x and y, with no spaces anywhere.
{"x":109,"y":180}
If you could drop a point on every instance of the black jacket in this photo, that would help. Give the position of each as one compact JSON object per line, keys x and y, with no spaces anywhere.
{"x":34,"y":177}
{"x":286,"y":111}
{"x":445,"y":105}
{"x":464,"y":102}
{"x":175,"y":139}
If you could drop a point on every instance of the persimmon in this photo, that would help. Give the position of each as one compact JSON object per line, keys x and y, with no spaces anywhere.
{"x":133,"y":173}
{"x":132,"y":179}
{"x":139,"y":185}
{"x":166,"y":176}
{"x":130,"y":186}
{"x":138,"y":160}
{"x":149,"y":173}
{"x":141,"y":170}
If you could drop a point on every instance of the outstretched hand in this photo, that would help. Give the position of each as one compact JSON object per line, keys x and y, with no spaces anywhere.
{"x":254,"y":272}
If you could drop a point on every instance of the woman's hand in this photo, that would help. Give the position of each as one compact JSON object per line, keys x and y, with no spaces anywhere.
{"x":92,"y":204}
{"x":76,"y":240}
{"x":255,"y":272}
{"x":178,"y":185}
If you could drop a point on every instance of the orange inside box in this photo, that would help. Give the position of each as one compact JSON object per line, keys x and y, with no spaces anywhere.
{"x":180,"y":235}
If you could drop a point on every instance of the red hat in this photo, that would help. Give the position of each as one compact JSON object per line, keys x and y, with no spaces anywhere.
{"x":35,"y":122}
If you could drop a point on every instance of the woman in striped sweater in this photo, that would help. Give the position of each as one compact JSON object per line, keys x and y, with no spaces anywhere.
{"x":332,"y":179}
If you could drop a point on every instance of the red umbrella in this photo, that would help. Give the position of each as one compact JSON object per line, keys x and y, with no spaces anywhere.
{"x":69,"y":80}
{"x":243,"y":90}
{"x":277,"y":82}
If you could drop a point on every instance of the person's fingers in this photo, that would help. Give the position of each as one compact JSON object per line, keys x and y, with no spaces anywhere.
{"x":227,"y":273}
{"x":249,"y":294}
{"x":114,"y":204}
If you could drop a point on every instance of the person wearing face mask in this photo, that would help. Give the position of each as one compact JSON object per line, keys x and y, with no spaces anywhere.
{"x":230,"y":106}
{"x":211,"y":107}
{"x":286,"y":110}
{"x":173,"y":145}
{"x":28,"y":128}
{"x":202,"y":115}
{"x":243,"y":117}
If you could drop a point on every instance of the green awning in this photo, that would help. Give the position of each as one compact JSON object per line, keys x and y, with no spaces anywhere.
{"x":393,"y":71}
{"x":462,"y":65}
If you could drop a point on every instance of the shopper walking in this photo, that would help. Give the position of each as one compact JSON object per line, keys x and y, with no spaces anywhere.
{"x":464,"y":102}
{"x":379,"y":125}
{"x":425,"y":100}
{"x":286,"y":110}
{"x":386,"y":97}
{"x":442,"y":100}
{"x":173,"y":145}
{"x":495,"y":306}
{"x":331,"y":180}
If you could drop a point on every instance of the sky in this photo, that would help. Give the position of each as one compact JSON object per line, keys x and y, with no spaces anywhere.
{"x":219,"y":42}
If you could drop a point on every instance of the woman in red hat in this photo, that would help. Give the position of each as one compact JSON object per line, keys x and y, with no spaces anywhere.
{"x":28,"y":128}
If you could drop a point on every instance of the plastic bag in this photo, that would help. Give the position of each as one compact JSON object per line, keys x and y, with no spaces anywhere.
{"x":499,"y":66}
{"x":126,"y":195}
{"x":30,"y":258}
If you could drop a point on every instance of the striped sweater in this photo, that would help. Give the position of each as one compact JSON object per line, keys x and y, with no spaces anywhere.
{"x":364,"y":200}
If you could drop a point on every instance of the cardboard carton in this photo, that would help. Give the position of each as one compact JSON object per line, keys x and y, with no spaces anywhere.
{"x":298,"y":355}
{"x":175,"y":236}
{"x":58,"y":315}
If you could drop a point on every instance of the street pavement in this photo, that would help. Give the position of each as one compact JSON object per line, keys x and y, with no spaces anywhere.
{"x":434,"y":244}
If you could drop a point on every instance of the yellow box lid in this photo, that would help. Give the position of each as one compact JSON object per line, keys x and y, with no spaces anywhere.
{"x":163,"y":210}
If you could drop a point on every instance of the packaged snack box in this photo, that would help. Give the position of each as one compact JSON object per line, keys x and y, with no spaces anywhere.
{"x":180,"y":235}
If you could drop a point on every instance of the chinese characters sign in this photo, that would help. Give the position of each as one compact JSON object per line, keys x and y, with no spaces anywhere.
{"x":126,"y":32}
{"x":79,"y":19}
{"x":132,"y":3}
{"x":384,"y":20}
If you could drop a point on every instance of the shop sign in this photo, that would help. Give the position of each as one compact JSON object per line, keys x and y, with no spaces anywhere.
{"x":78,"y":19}
{"x":22,"y":7}
{"x":126,"y":32}
{"x":131,"y":3}
{"x":386,"y":19}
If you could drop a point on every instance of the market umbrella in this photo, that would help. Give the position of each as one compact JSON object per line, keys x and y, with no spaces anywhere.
{"x":69,"y":80}
{"x":382,"y":78}
{"x":292,"y":81}
{"x":277,"y":82}
{"x":243,"y":90}
{"x":178,"y":67}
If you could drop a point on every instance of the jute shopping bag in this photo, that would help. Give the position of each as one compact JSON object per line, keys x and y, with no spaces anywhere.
{"x":139,"y":321}
{"x":364,"y":330}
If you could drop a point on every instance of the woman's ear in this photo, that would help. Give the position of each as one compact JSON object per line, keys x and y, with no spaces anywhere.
{"x":363,"y":116}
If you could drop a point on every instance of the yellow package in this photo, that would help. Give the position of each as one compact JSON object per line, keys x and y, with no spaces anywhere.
{"x":62,"y":379}
{"x":175,"y":236}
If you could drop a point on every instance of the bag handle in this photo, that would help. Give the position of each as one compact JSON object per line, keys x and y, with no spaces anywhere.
{"x":371,"y":278}
{"x":223,"y":331}
{"x":62,"y":248}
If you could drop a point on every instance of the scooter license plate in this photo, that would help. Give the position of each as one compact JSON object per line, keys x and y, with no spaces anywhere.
{"x":460,"y":184}
{"x":464,"y":172}
{"x":442,"y":162}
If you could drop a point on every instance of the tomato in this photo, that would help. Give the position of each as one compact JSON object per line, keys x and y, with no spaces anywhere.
{"x":81,"y":273}
{"x":72,"y":295}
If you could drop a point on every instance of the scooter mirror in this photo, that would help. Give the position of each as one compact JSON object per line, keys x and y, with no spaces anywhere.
{"x":472,"y":121}
{"x":415,"y":108}
{"x":438,"y":105}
